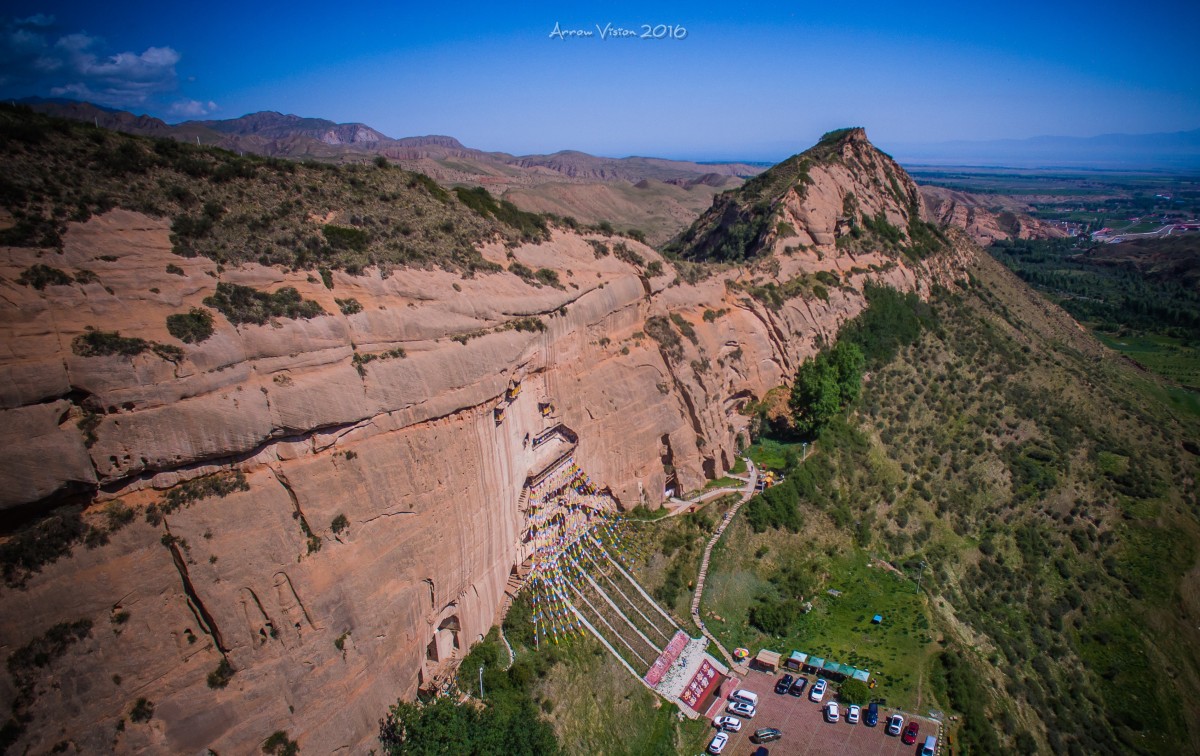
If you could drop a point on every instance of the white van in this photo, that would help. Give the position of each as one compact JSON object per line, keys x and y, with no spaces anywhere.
{"x":930,"y":747}
{"x":744,"y":695}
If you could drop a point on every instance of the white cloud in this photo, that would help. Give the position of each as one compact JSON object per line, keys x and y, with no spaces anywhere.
{"x":37,"y":19}
{"x":192,"y":108}
{"x":78,"y":65}
{"x":77,"y":42}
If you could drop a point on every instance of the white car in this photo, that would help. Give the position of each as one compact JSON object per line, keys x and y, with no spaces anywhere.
{"x":742,"y":709}
{"x":831,"y":712}
{"x":718,"y":742}
{"x":852,"y":714}
{"x":895,"y":724}
{"x":818,"y":691}
{"x":732,"y":724}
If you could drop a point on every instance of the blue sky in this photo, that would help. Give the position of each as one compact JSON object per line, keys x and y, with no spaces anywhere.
{"x":746,"y":82}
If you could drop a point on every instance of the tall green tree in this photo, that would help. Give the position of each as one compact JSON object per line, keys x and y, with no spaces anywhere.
{"x":825,"y":385}
{"x":816,"y":396}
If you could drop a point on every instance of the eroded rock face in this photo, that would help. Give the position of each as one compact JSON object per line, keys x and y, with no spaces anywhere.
{"x":406,"y":448}
{"x":1010,"y":220}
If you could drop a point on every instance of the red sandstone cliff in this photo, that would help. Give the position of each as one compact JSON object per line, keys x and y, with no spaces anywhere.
{"x":407,"y":449}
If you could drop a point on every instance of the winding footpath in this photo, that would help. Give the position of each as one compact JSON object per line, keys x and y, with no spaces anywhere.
{"x":512,"y":657}
{"x":747,"y":493}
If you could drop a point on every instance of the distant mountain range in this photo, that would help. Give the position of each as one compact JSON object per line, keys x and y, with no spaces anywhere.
{"x":279,"y":135}
{"x":655,"y":196}
{"x":1179,"y":150}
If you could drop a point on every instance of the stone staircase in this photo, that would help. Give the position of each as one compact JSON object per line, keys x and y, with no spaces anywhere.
{"x":511,"y":589}
{"x":747,"y":493}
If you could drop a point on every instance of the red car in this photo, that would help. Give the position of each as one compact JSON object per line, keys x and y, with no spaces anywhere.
{"x":910,"y":733}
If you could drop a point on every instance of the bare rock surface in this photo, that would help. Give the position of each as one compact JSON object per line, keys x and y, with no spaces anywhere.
{"x":986,"y":219}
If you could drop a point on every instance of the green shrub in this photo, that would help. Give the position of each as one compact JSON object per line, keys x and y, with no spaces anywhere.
{"x":622,"y":252}
{"x":88,"y":423}
{"x":279,"y":744}
{"x":429,"y":185}
{"x":174,"y":269}
{"x":107,"y":343}
{"x":774,"y":617}
{"x":659,"y":329}
{"x":143,"y":710}
{"x":854,"y":692}
{"x":349,"y":306}
{"x":188,"y":492}
{"x":884,"y":231}
{"x":39,"y":652}
{"x":221,"y":676}
{"x":522,"y":270}
{"x":925,"y":239}
{"x":339,"y":524}
{"x":28,"y":550}
{"x":530,"y":225}
{"x":191,"y":327}
{"x":245,"y":304}
{"x":40,"y":276}
{"x":344,"y":237}
{"x":527,"y":324}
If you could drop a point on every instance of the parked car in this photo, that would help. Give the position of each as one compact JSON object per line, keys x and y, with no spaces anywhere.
{"x":718,"y":742}
{"x":832,"y":713}
{"x":784,"y":684}
{"x":930,"y":747}
{"x":818,"y":691}
{"x":895,"y":724}
{"x":872,"y":717}
{"x":910,"y":733}
{"x":852,"y":713}
{"x":798,"y":687}
{"x":730,"y":724}
{"x":742,"y":709}
{"x":766,"y":735}
{"x":744,"y":695}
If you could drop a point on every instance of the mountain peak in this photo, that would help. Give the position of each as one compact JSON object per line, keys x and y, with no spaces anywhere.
{"x":840,"y":195}
{"x":856,"y":134}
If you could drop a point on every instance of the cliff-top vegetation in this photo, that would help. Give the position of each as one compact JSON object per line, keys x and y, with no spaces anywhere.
{"x":242,"y":208}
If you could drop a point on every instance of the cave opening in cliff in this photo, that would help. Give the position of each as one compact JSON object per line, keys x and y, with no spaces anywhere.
{"x":671,"y":484}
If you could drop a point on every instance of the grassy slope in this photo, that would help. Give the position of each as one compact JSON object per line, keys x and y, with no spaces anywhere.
{"x":227,"y":207}
{"x":593,"y":703}
{"x":1140,"y":299}
{"x":660,"y":210}
{"x":1045,"y":486}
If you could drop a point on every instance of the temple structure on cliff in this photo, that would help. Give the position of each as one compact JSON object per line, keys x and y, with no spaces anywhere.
{"x":575,"y":549}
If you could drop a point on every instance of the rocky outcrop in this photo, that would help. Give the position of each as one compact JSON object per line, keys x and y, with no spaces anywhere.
{"x":325,"y":419}
{"x":985,"y":224}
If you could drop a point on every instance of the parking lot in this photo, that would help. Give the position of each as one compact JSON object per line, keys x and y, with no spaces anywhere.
{"x":805,"y":730}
